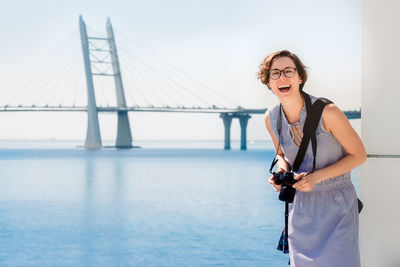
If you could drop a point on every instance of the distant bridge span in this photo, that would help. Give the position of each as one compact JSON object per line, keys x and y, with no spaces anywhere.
{"x":135,"y":109}
{"x":356,"y":114}
{"x":227,"y":114}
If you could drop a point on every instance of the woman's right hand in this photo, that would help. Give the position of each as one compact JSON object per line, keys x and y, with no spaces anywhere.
{"x":272,"y":182}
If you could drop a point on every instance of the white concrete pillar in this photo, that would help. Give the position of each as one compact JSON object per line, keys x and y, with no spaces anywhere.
{"x":380,"y":111}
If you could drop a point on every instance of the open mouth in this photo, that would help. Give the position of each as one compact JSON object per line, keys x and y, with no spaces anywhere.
{"x":284,"y":88}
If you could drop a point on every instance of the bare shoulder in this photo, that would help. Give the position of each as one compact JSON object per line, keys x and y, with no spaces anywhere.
{"x":331,"y":110}
{"x":332,"y":115}
{"x":336,"y":122}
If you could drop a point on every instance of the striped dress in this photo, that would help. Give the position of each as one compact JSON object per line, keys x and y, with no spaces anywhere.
{"x":323,"y":223}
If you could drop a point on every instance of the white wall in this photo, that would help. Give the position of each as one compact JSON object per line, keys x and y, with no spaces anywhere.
{"x":380,"y":178}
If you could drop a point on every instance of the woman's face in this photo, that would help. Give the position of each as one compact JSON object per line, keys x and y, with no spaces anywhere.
{"x":284,"y":86}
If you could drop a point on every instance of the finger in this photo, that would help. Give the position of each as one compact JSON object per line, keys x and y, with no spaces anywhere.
{"x":301,"y":175}
{"x":299,"y":184}
{"x":298,"y":177}
{"x":301,"y":187}
{"x":304,"y":185}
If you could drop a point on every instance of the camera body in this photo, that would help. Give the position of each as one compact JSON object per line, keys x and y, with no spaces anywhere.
{"x":287,"y":181}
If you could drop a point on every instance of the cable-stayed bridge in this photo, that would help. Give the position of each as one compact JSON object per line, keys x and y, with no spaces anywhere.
{"x":145,"y":88}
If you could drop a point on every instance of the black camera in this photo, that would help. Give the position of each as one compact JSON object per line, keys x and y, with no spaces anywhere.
{"x":285,"y":179}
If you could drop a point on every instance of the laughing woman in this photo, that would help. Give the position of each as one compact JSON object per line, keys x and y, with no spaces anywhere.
{"x":323,"y":218}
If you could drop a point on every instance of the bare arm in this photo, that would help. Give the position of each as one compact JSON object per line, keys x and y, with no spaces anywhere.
{"x":281,"y":164}
{"x":336,"y":122}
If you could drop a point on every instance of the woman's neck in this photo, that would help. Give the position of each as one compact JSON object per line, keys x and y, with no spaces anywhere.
{"x":292,"y":107}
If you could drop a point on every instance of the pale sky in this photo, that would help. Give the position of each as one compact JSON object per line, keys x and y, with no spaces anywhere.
{"x":220,"y":43}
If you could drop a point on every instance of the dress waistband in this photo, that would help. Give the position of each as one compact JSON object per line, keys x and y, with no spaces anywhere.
{"x":335,"y":182}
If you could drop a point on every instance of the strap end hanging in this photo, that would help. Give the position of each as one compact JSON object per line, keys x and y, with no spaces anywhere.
{"x":273,"y":163}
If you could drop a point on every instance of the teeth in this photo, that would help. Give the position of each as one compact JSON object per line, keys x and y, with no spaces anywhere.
{"x":283,"y":86}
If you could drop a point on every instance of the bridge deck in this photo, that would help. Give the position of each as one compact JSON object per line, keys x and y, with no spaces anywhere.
{"x":356,"y":114}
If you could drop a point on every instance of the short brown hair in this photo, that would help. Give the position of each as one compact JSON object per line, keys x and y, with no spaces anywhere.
{"x":265,"y":66}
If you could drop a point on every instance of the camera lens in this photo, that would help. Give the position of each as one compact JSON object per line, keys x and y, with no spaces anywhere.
{"x":287,"y":193}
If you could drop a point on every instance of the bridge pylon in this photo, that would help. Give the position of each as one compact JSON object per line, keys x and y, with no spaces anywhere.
{"x":243,"y":119}
{"x":93,"y":137}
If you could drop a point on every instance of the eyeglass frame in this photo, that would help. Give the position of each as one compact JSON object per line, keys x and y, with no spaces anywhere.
{"x":282,"y":71}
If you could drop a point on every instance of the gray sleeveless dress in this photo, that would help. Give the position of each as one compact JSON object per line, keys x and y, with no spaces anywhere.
{"x":323,"y":223}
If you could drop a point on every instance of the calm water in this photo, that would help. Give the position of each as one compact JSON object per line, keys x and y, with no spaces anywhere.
{"x":66,"y":206}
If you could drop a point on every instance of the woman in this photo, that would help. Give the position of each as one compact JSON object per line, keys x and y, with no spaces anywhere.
{"x":323,"y":218}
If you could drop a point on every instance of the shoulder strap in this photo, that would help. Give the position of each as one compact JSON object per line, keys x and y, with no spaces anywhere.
{"x":314,"y":113}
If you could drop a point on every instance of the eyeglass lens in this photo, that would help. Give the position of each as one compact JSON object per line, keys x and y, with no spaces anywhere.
{"x":288,"y":72}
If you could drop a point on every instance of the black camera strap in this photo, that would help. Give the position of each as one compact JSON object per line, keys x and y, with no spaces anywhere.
{"x":283,"y":242}
{"x":314,"y":113}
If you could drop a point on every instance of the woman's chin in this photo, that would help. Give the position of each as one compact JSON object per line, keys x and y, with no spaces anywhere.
{"x":284,"y":93}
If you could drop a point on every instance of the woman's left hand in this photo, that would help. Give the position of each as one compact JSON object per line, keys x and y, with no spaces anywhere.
{"x":305,"y":181}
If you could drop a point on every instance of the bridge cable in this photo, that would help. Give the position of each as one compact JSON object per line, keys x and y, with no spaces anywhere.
{"x":166,"y":77}
{"x":177,"y":69}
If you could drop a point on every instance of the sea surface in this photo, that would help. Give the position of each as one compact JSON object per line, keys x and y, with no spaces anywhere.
{"x":168,"y":203}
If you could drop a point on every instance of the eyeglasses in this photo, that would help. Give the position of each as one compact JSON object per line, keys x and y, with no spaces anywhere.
{"x":276,"y":74}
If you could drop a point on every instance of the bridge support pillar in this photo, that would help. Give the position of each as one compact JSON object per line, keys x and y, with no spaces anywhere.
{"x":243,"y":119}
{"x":124,"y":137}
{"x":227,"y":118}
